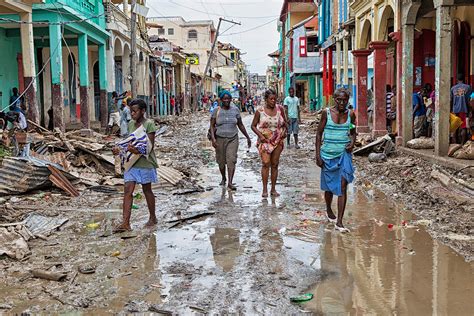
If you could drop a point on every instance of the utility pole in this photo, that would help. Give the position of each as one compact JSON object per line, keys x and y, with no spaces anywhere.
{"x":208,"y":64}
{"x":133,"y":54}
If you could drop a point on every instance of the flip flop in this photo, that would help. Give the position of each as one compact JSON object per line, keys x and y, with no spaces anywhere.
{"x":331,"y":220}
{"x":342,"y":229}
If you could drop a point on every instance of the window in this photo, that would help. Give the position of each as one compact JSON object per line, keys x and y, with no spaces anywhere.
{"x":192,"y":34}
{"x":161,"y":31}
{"x":170,"y":31}
{"x":232,"y":55}
{"x":312,"y":44}
{"x":303,"y":49}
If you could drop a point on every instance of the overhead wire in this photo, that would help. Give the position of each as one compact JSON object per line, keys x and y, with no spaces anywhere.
{"x":216,"y":14}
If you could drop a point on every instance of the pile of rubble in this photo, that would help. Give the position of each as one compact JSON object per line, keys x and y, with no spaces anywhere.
{"x":54,"y":158}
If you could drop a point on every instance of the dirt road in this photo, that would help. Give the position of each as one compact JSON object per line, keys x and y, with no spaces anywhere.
{"x":242,"y":254}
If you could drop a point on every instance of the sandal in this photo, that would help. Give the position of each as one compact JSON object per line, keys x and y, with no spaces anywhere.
{"x":331,"y":220}
{"x":341,"y":229}
{"x":232,"y":187}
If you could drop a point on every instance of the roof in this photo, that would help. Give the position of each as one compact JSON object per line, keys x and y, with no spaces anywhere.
{"x":227,"y":46}
{"x":275,"y":54}
{"x":182,"y":22}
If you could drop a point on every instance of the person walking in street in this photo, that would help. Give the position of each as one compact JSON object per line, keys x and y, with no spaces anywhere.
{"x":292,"y":106}
{"x":143,"y":170}
{"x":335,"y":140}
{"x":226,"y":122}
{"x":460,"y":100}
{"x":270,"y":125}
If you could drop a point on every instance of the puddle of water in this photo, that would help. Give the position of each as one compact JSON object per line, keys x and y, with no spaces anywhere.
{"x":377,"y":270}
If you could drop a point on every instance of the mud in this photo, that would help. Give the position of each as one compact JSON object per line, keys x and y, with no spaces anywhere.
{"x":246,"y":256}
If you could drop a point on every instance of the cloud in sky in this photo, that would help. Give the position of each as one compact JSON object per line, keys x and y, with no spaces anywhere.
{"x":256,"y":37}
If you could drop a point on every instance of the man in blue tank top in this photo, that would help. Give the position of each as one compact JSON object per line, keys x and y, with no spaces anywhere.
{"x":335,"y":140}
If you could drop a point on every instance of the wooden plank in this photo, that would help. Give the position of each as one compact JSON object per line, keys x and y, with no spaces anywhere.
{"x":62,"y":182}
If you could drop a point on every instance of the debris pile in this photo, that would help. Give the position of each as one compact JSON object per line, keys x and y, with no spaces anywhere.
{"x":55,"y":158}
{"x":378,"y":150}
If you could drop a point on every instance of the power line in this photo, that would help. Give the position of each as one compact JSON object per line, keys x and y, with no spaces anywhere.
{"x":228,"y":16}
{"x":253,"y":28}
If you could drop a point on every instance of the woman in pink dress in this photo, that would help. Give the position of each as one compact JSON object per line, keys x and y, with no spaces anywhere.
{"x":270,"y":125}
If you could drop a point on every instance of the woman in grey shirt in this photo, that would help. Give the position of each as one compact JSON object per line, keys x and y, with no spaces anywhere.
{"x":225,"y":124}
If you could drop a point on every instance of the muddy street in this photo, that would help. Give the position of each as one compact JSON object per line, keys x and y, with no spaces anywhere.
{"x":222,"y":252}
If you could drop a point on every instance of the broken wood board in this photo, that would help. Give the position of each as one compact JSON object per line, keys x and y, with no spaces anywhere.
{"x":87,"y":146}
{"x":59,"y":180}
{"x":368,"y":148}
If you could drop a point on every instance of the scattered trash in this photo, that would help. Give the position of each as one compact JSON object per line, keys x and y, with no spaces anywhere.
{"x":93,"y":225}
{"x":86,"y":269}
{"x":116,"y":253}
{"x":198,"y":309}
{"x":138,"y":196}
{"x":377,"y":157}
{"x":135,"y":207}
{"x":381,"y":145}
{"x":13,"y":242}
{"x":49,"y":275}
{"x":40,"y":225}
{"x":157,"y":309}
{"x":302,"y":298}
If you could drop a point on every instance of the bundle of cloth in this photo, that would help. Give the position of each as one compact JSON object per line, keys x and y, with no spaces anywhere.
{"x":138,"y":139}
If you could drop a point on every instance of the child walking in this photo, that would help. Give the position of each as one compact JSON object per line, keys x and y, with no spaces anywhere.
{"x":143,"y":169}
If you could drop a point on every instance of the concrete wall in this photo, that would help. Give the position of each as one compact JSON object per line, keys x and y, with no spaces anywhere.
{"x":199,"y":46}
{"x":229,"y":75}
{"x":9,"y":48}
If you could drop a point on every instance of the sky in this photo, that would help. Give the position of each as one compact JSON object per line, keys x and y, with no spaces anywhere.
{"x":256,"y":37}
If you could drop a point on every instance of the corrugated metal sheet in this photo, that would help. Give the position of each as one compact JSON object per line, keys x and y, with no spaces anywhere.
{"x":23,"y":174}
{"x":43,"y":225}
{"x":18,"y":175}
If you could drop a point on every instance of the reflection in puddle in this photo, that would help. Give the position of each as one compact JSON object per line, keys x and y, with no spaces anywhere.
{"x":375,"y":270}
{"x":226,"y":247}
{"x":303,"y":251}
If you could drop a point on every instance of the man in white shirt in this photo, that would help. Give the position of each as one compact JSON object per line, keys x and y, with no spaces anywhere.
{"x":292,"y":106}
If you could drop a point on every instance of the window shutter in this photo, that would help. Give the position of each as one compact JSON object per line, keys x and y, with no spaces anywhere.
{"x":303,"y":47}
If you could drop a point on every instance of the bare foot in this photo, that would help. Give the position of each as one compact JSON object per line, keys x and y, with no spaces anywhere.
{"x":265,"y":194}
{"x":122,"y":228}
{"x":275,"y":194}
{"x":232,"y":187}
{"x":151,"y":223}
{"x":223,"y":182}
